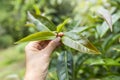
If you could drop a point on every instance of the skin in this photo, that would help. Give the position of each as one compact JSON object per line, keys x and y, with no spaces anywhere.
{"x":38,"y":58}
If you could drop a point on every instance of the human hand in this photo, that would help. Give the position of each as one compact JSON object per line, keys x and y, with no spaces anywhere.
{"x":38,"y":58}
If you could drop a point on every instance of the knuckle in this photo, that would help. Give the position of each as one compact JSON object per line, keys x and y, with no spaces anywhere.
{"x":53,"y":42}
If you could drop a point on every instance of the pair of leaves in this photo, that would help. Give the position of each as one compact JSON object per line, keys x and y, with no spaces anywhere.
{"x":85,"y":46}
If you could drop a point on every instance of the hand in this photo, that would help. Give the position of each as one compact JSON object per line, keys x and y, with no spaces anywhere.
{"x":38,"y":58}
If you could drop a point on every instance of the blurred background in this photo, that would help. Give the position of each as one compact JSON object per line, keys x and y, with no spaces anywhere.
{"x":13,"y":18}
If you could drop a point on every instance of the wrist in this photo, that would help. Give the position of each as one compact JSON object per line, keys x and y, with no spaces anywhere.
{"x":36,"y":72}
{"x":33,"y":75}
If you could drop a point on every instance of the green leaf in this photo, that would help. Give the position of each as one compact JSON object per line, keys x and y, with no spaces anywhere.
{"x":96,"y":61}
{"x":111,"y":77}
{"x":82,"y":45}
{"x":110,"y":40}
{"x":116,"y":49}
{"x":111,"y":62}
{"x":40,"y":26}
{"x":72,"y":35}
{"x":65,"y":66}
{"x":106,"y":15}
{"x":38,"y":36}
{"x":99,"y":61}
{"x":81,"y":58}
{"x":37,"y":11}
{"x":80,"y":29}
{"x":61,"y":26}
{"x":104,"y":28}
{"x":49,"y":24}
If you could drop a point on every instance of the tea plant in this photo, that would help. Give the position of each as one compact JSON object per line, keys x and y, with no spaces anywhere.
{"x":72,"y":41}
{"x":79,"y":43}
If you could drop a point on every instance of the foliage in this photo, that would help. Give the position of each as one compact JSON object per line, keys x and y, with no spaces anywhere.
{"x":6,"y":41}
{"x":81,"y":44}
{"x":84,"y":21}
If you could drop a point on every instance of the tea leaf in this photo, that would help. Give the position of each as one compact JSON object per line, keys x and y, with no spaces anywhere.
{"x":111,"y":77}
{"x":40,"y":26}
{"x":49,"y":24}
{"x":38,"y":36}
{"x":99,"y":61}
{"x":80,"y":29}
{"x":110,"y":40}
{"x":61,"y":26}
{"x":37,"y":10}
{"x":65,"y":66}
{"x":107,"y":16}
{"x":82,"y":45}
{"x":104,"y":28}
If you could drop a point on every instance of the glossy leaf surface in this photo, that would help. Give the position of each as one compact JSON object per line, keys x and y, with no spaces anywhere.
{"x":38,"y":36}
{"x":44,"y":20}
{"x":65,"y":66}
{"x":104,"y":27}
{"x":111,"y":77}
{"x":106,"y":15}
{"x":82,"y":45}
{"x":39,"y":25}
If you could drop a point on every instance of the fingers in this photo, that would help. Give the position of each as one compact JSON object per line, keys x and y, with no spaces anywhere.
{"x":52,"y":45}
{"x":39,"y":45}
{"x":34,"y":45}
{"x":45,"y":46}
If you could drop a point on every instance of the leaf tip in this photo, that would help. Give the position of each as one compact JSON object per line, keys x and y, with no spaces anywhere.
{"x":98,"y":53}
{"x":111,"y":29}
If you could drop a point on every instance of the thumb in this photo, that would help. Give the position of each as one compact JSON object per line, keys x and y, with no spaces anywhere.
{"x":52,"y":45}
